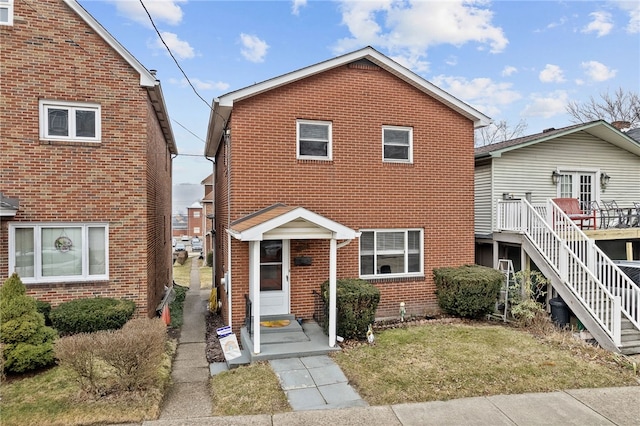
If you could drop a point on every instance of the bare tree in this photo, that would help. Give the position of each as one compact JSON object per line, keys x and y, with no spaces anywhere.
{"x":619,"y":106}
{"x":499,"y":132}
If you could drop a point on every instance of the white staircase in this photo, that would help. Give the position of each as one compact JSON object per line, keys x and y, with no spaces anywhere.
{"x":600,"y":295}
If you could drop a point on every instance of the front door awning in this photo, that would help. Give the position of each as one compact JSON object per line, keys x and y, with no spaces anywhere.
{"x":280,"y":221}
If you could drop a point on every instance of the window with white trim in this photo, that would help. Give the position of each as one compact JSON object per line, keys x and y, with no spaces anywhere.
{"x":6,"y":12}
{"x":391,"y":252}
{"x":397,"y":144}
{"x":59,"y":252}
{"x":314,"y":140}
{"x":70,"y":121}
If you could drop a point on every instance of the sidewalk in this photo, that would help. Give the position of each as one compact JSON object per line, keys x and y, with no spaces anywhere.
{"x":189,"y":402}
{"x":189,"y":394}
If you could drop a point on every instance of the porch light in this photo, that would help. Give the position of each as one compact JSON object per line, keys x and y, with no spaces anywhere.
{"x":604,"y":180}
{"x":555,"y":177}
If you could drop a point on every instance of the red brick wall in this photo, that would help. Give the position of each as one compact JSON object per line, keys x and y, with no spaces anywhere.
{"x":356,"y":189}
{"x":50,"y":53}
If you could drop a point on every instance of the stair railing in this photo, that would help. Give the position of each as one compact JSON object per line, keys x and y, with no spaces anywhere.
{"x":564,"y":246}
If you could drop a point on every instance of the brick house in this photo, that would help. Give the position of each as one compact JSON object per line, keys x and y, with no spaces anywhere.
{"x":353,"y":167}
{"x":195,"y":220}
{"x":86,"y":148}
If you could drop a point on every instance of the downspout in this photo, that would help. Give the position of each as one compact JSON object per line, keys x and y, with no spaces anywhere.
{"x":213,"y":225}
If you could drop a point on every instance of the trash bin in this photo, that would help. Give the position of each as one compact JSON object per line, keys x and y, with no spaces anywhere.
{"x":559,"y":312}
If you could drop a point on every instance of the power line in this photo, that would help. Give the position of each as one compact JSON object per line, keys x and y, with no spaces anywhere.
{"x":173,"y":57}
{"x":197,"y":137}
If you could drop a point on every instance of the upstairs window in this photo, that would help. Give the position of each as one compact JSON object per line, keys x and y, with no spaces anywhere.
{"x":391,"y":252}
{"x":69,"y":121}
{"x":314,"y":140}
{"x":6,"y":12}
{"x":397,"y":144}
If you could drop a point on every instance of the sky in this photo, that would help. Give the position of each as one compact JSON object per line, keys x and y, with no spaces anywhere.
{"x":514,"y":61}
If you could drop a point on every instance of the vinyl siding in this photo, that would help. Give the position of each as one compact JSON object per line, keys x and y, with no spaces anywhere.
{"x":482,"y":200}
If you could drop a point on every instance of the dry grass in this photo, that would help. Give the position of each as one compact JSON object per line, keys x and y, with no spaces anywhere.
{"x":448,"y":361}
{"x":253,"y":389}
{"x":53,"y":397}
{"x":182,"y":273}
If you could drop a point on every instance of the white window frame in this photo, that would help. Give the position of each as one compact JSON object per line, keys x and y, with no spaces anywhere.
{"x":71,"y":108}
{"x":8,"y":6}
{"x":376,"y":267}
{"x":409,"y":130}
{"x":329,"y":142}
{"x":37,"y":244}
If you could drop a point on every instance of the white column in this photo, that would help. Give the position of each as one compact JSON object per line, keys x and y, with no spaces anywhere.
{"x":254,"y":265}
{"x":333,"y":272}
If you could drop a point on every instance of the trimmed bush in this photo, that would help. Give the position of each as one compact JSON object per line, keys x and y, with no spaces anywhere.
{"x":90,"y":315}
{"x":210,"y":259}
{"x":469,"y":291}
{"x":27,"y":343}
{"x":115,"y":361}
{"x":356,"y":304}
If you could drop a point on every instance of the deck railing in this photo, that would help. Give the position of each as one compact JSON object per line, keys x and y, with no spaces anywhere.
{"x":600,"y":285}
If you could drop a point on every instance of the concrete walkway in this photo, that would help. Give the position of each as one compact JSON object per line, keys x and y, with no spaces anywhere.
{"x":189,"y":394}
{"x":315,"y":383}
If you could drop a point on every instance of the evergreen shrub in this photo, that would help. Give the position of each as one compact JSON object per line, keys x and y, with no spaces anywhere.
{"x":469,"y":291}
{"x":356,"y":304}
{"x":91,"y":314}
{"x":27,"y":343}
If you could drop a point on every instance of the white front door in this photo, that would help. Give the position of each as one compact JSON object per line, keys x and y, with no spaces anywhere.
{"x":274,"y":277}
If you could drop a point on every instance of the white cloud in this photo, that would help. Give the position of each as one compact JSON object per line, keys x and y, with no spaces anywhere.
{"x":166,"y":11}
{"x":551,"y":74}
{"x":200,"y":84}
{"x":597,"y":71}
{"x":253,"y":49}
{"x":181,"y":49}
{"x":547,"y":105}
{"x":601,"y":24}
{"x":408,"y":28}
{"x":482,"y":93}
{"x":633,"y":9}
{"x":297,"y":5}
{"x":508,"y":71}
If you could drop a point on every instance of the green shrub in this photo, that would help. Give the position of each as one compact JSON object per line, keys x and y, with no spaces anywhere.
{"x":176,"y":307}
{"x":45,"y":309}
{"x":210,"y":259}
{"x":469,"y":291}
{"x":89,"y":315}
{"x":27,"y":343}
{"x":115,"y":361}
{"x":356,"y":304}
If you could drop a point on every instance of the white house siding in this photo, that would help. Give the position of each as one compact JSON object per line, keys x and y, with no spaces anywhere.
{"x":482,"y":200}
{"x":528,"y":169}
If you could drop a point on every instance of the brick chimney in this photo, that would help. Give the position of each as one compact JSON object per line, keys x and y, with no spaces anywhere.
{"x":621,"y":124}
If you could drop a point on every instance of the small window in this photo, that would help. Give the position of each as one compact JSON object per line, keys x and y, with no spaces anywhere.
{"x":397,"y":144}
{"x":69,"y":121}
{"x":59,"y":252}
{"x":6,"y":12}
{"x":391,"y":252}
{"x":314,"y":140}
{"x":196,"y":214}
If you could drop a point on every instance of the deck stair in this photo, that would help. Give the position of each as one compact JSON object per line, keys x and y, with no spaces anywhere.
{"x":601,"y":296}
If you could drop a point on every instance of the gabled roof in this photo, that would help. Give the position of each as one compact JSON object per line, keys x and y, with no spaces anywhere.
{"x":147,"y":78}
{"x":290,"y":221}
{"x":600,"y":129}
{"x":224,"y":104}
